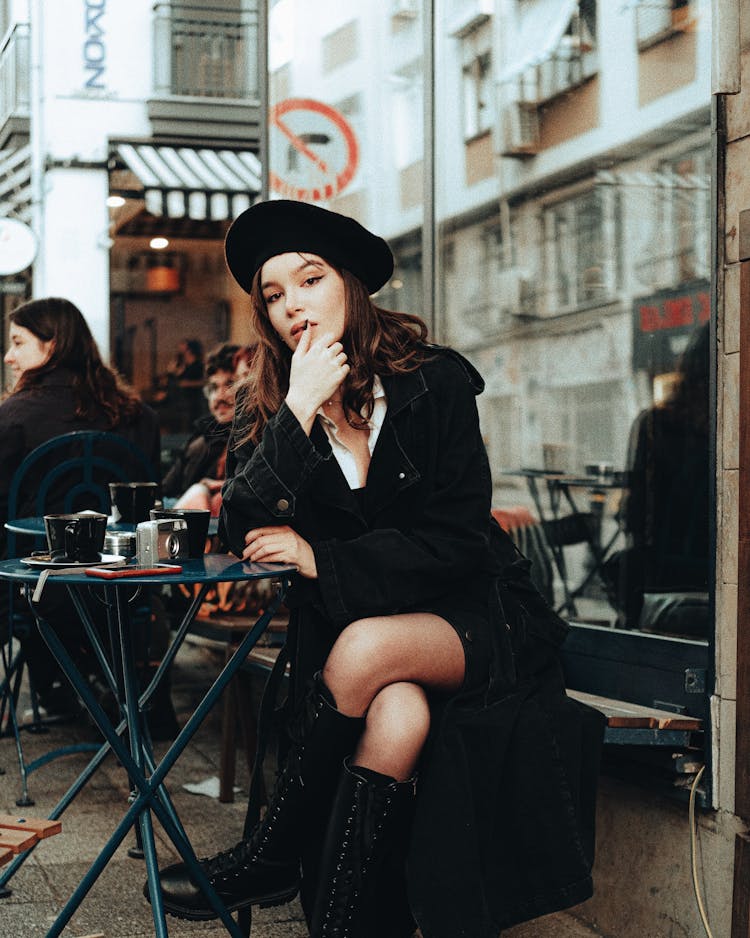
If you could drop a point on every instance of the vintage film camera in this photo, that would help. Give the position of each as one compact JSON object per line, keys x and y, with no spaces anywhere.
{"x":161,"y":541}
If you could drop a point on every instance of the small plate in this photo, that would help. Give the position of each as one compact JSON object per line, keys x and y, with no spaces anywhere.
{"x":46,"y":564}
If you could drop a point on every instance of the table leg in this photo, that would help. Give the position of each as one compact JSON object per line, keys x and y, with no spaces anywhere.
{"x":143,"y":803}
{"x":82,"y":780}
{"x":151,"y":790}
{"x":228,"y":751}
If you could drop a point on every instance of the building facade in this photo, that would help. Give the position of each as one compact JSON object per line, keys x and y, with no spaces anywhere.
{"x":122,"y":123}
{"x":555,"y":179}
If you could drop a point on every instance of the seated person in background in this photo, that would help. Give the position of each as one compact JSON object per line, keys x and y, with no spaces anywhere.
{"x":666,"y":509}
{"x":61,"y":385}
{"x":184,"y":383}
{"x":205,"y":492}
{"x":205,"y":452}
{"x":187,"y":368}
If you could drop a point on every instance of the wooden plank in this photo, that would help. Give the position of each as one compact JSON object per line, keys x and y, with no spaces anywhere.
{"x":265,"y":657}
{"x":17,"y":841}
{"x":6,"y":854}
{"x":237,"y":623}
{"x":40,"y":826}
{"x":621,"y":713}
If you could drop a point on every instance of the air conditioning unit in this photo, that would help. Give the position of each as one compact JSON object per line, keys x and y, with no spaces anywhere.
{"x":404,"y":9}
{"x":520,"y":129}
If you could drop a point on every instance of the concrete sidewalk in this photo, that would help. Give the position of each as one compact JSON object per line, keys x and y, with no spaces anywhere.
{"x":115,"y":907}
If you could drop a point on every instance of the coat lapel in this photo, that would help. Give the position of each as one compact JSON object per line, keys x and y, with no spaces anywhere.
{"x":329,"y":487}
{"x":391,"y":469}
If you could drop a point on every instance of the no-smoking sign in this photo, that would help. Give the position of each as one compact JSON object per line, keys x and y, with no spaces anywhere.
{"x":313,"y":150}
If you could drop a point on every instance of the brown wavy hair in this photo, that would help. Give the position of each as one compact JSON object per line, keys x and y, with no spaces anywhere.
{"x":96,"y":387}
{"x":377,"y":341}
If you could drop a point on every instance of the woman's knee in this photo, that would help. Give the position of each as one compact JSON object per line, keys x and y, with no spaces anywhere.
{"x":400,"y":713}
{"x":357,"y":653}
{"x":398,"y":723}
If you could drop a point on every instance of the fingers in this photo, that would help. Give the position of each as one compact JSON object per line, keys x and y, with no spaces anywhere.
{"x":305,"y":340}
{"x":271,"y":544}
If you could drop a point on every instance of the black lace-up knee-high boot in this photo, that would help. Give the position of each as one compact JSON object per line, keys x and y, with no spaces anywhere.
{"x":370,"y":818}
{"x":264,"y":868}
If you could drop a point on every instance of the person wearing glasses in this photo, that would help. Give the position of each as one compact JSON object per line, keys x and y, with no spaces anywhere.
{"x":202,"y":459}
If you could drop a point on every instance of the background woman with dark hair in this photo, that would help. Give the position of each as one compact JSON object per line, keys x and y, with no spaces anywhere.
{"x":61,"y":385}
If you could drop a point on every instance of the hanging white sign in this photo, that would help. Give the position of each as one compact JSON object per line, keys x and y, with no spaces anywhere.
{"x":18,"y":246}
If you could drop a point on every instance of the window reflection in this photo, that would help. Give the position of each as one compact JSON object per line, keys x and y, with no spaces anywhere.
{"x":572,"y":205}
{"x":660,"y":579}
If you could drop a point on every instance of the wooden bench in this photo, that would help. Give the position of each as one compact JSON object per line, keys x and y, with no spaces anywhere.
{"x":19,"y":833}
{"x":620,"y":713}
{"x":646,"y":744}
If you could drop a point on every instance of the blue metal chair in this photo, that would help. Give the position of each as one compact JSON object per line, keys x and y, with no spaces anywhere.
{"x":67,"y":473}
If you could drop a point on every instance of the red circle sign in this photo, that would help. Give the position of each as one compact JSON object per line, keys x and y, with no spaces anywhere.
{"x":314,"y":148}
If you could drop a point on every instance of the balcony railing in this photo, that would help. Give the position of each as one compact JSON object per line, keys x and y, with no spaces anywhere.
{"x":205,"y":52}
{"x":15,"y":74}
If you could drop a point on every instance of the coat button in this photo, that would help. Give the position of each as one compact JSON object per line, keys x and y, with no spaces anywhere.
{"x":282,"y":504}
{"x":402,"y":475}
{"x":468,"y":636}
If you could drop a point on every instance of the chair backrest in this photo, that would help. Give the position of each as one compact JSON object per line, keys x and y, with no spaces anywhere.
{"x":71,"y":472}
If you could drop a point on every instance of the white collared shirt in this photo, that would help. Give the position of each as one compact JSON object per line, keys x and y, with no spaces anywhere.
{"x":344,"y":457}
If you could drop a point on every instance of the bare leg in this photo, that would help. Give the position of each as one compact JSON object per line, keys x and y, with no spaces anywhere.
{"x":382,"y":667}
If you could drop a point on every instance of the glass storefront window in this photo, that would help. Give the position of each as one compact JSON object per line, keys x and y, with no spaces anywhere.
{"x":565,"y":178}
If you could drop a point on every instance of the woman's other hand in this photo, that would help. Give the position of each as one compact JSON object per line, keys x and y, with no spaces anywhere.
{"x":318,"y":368}
{"x":280,"y":544}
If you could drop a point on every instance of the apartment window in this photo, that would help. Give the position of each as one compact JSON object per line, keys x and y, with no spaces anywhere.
{"x":571,"y":58}
{"x":658,"y":19}
{"x":580,"y":249}
{"x":676,"y":209}
{"x":340,"y":46}
{"x":477,"y":82}
{"x":687,"y":213}
{"x":406,"y":110}
{"x":210,"y":49}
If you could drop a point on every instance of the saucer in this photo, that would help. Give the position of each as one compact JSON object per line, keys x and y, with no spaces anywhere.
{"x":45,"y":563}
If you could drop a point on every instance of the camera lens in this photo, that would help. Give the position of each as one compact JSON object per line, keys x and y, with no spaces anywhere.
{"x":173,"y":546}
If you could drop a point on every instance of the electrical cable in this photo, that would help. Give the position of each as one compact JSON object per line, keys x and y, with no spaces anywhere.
{"x":693,"y":852}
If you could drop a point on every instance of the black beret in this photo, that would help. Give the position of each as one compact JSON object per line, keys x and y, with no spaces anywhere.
{"x":281,"y":226}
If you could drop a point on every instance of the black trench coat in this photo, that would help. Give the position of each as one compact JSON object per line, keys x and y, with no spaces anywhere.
{"x":424,"y":540}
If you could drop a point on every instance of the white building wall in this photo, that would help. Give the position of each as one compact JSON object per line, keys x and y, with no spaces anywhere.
{"x":91,"y":63}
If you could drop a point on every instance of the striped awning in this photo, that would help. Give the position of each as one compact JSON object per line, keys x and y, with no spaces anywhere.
{"x":189,"y":182}
{"x":15,"y":184}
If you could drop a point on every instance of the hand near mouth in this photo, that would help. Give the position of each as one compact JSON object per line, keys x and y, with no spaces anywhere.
{"x":318,"y":368}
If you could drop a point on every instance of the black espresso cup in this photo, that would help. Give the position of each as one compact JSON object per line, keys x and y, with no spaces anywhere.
{"x":196,"y":519}
{"x":132,"y":501}
{"x":77,"y":537}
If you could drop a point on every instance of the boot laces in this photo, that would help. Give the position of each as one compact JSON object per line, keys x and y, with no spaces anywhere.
{"x":228,"y":861}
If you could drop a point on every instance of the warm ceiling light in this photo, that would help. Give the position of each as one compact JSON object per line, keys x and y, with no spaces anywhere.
{"x":397,"y":284}
{"x":115,"y":201}
{"x":158,"y":243}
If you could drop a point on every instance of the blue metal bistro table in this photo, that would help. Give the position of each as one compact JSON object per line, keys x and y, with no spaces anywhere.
{"x":150,"y":795}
